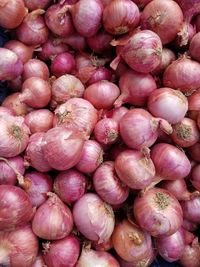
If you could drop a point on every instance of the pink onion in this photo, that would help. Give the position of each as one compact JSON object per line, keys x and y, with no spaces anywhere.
{"x":191,"y":255}
{"x":12,"y":13}
{"x":191,"y":209}
{"x":5,"y":111}
{"x":91,"y":157}
{"x":194,"y":152}
{"x":76,"y":114}
{"x":185,"y":133}
{"x":32,"y":30}
{"x":93,"y":218}
{"x":116,"y":113}
{"x":183,"y":74}
{"x":15,"y":207}
{"x":14,"y":136}
{"x":53,"y":219}
{"x":39,"y":262}
{"x":75,"y":41}
{"x":40,"y":120}
{"x":168,"y":104}
{"x":11,"y":66}
{"x":158,"y":212}
{"x":134,"y":169}
{"x":195,"y":176}
{"x":141,"y":3}
{"x":103,"y":246}
{"x":18,"y":248}
{"x":66,"y":87}
{"x":195,"y":46}
{"x":100,"y":74}
{"x":62,"y":147}
{"x":164,"y":18}
{"x":57,"y":253}
{"x":70,"y":186}
{"x":135,"y":88}
{"x":8,"y":175}
{"x":194,"y":101}
{"x":121,"y":16}
{"x":132,"y":244}
{"x":185,"y":36}
{"x":100,"y":42}
{"x":167,"y":57}
{"x":36,"y":92}
{"x":34,"y":153}
{"x":63,"y":63}
{"x":36,"y":185}
{"x":189,"y":226}
{"x":58,"y":20}
{"x":171,"y":247}
{"x":139,"y":129}
{"x":35,"y":68}
{"x":190,"y":8}
{"x":108,"y":186}
{"x":102,"y":94}
{"x":86,"y":15}
{"x":171,"y":163}
{"x":36,"y":4}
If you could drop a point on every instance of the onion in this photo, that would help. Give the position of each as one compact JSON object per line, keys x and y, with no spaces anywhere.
{"x":194,"y":152}
{"x":194,"y":101}
{"x":86,"y":15}
{"x":185,"y":36}
{"x":168,"y":104}
{"x":189,"y":226}
{"x":91,"y":157}
{"x":11,"y":66}
{"x":135,"y":88}
{"x":34,"y":153}
{"x":76,"y":41}
{"x":163,"y":17}
{"x":116,"y":113}
{"x":139,"y":129}
{"x":141,"y":3}
{"x":194,"y":46}
{"x":195,"y":176}
{"x":18,"y":248}
{"x":191,"y":209}
{"x":190,"y":8}
{"x":36,"y":185}
{"x":134,"y":169}
{"x":58,"y":20}
{"x":142,"y":52}
{"x":15,"y":207}
{"x":14,"y":136}
{"x":35,"y":68}
{"x":108,"y":186}
{"x":121,"y":16}
{"x":91,"y":258}
{"x":8,"y":168}
{"x":52,"y":220}
{"x":23,"y":51}
{"x":62,"y":64}
{"x":12,"y":13}
{"x":36,"y":92}
{"x":171,"y":163}
{"x":40,"y":120}
{"x":32,"y":30}
{"x":77,"y":114}
{"x":132,"y":244}
{"x":103,"y":246}
{"x":100,"y":42}
{"x":100,"y":74}
{"x":183,"y":74}
{"x":39,"y":262}
{"x":191,"y":255}
{"x":64,"y":88}
{"x":62,"y":147}
{"x":94,"y":218}
{"x":70,"y":185}
{"x":102,"y":94}
{"x":167,"y":58}
{"x":116,"y":150}
{"x":171,"y":247}
{"x":36,"y":4}
{"x":5,"y":111}
{"x":57,"y":253}
{"x":158,"y":212}
{"x":185,"y":133}
{"x":188,"y":237}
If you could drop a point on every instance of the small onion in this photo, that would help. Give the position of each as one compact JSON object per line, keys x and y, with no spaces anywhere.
{"x":62,"y":63}
{"x":36,"y":4}
{"x":195,"y":176}
{"x":94,"y":218}
{"x":35,"y":68}
{"x":191,"y":209}
{"x":100,"y":74}
{"x":158,"y":212}
{"x":191,"y":255}
{"x":52,"y":220}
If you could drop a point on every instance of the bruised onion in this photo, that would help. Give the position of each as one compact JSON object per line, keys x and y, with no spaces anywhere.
{"x":53,"y":219}
{"x":35,"y":68}
{"x":94,"y":218}
{"x":62,"y":63}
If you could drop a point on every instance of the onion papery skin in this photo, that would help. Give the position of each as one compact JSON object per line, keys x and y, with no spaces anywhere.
{"x":70,"y":185}
{"x":76,"y":114}
{"x":191,"y":255}
{"x":108,"y":186}
{"x":134,"y":169}
{"x":170,"y":162}
{"x":34,"y":153}
{"x":158,"y":212}
{"x":35,"y":68}
{"x":19,"y":247}
{"x":182,"y":74}
{"x":132,"y":244}
{"x":14,"y":213}
{"x":94,"y":218}
{"x":164,"y":18}
{"x":120,"y":17}
{"x":53,"y":219}
{"x":58,"y":253}
{"x":191,"y":209}
{"x":62,"y":148}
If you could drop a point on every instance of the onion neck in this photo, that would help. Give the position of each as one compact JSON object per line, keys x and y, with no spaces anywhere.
{"x":34,"y":14}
